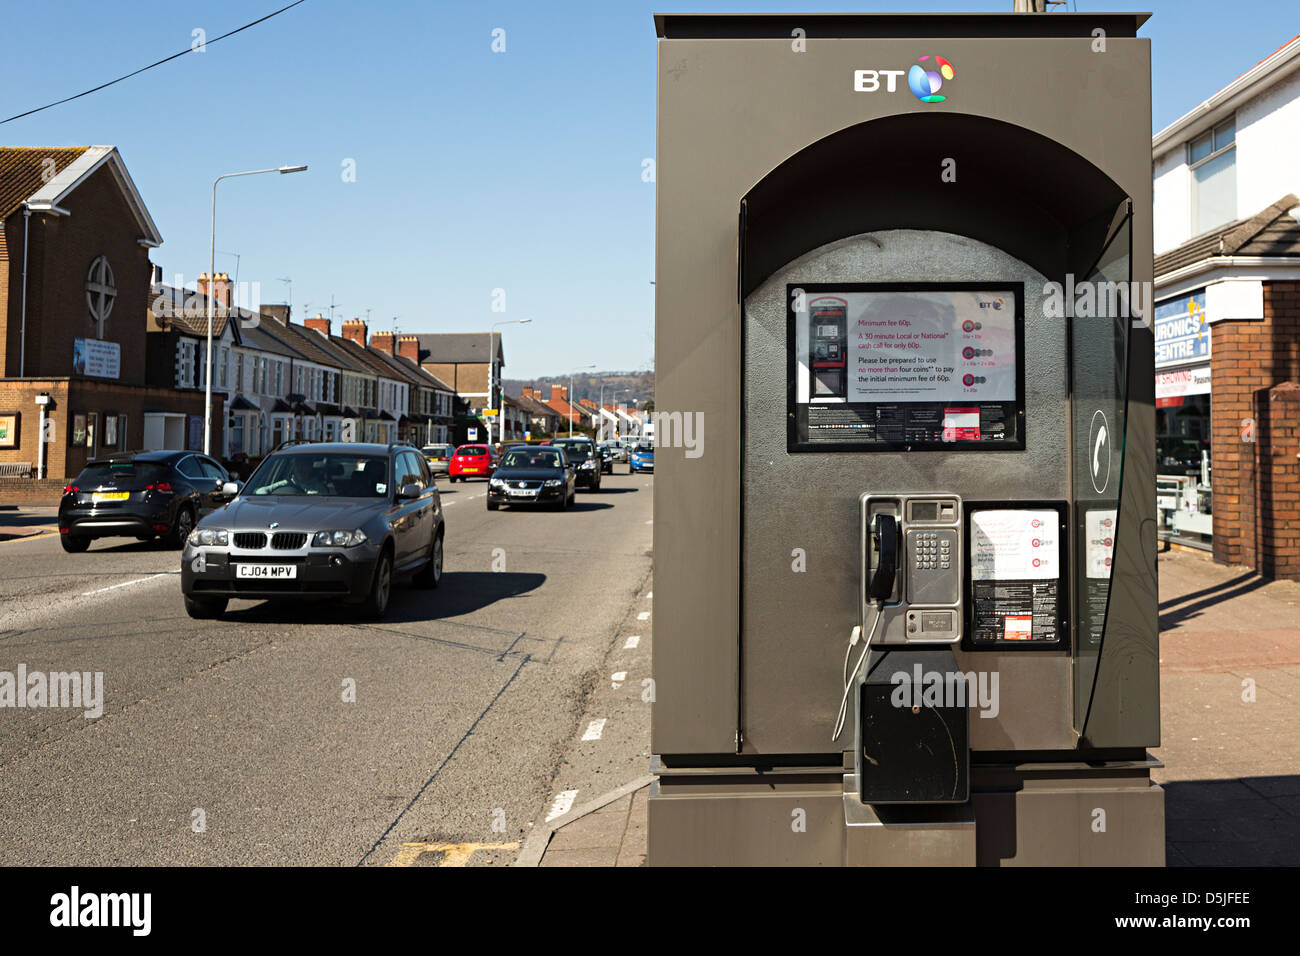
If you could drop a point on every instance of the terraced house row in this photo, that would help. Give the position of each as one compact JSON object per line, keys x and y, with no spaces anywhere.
{"x":99,"y":353}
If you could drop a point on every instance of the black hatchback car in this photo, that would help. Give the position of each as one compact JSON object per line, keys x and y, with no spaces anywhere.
{"x":144,"y":495}
{"x":532,"y":476}
{"x":586,"y":460}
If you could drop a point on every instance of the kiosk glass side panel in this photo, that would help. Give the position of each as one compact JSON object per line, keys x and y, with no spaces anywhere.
{"x":1098,"y":342}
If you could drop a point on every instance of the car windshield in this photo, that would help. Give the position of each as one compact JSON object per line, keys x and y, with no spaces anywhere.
{"x":474,"y":450}
{"x":435,"y":451}
{"x":645,"y":447}
{"x":532,"y":458}
{"x":577,"y":450}
{"x":334,"y":474}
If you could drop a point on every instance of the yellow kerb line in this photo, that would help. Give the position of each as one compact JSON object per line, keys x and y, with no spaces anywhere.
{"x":456,"y":854}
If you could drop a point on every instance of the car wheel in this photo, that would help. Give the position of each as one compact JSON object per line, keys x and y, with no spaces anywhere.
{"x":492,"y":505}
{"x":381,"y":588}
{"x":182,"y":527}
{"x":205,"y":608}
{"x":74,"y":544}
{"x":430,"y":576}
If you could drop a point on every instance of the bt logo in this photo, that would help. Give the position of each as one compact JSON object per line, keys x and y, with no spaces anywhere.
{"x":924,"y":81}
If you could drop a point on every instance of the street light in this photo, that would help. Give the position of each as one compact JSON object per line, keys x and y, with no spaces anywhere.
{"x":580,"y":368}
{"x":492,"y":390}
{"x":212,"y":268}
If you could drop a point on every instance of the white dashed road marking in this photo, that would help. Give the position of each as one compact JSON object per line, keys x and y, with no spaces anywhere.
{"x":114,"y":587}
{"x":617,"y":679}
{"x":562,"y":805}
{"x":632,"y":642}
{"x":643,"y":616}
{"x":595,"y":729}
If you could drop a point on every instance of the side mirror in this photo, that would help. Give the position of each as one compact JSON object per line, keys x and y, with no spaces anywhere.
{"x":232,"y":487}
{"x":410,"y":491}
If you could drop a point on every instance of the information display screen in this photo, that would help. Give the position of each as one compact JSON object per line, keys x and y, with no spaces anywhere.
{"x":890,"y":367}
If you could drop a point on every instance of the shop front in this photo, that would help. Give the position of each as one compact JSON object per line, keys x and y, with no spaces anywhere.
{"x":1184,"y":499}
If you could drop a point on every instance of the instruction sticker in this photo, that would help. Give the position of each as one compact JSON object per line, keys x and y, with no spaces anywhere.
{"x":1100,"y":529}
{"x":1015,"y":545}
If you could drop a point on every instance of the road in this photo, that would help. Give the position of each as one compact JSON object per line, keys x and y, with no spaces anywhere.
{"x":233,"y":741}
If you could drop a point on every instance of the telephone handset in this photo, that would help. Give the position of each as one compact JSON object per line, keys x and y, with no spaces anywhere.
{"x":884,"y":557}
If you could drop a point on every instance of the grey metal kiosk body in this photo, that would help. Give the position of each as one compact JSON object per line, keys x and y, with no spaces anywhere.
{"x":900,"y":263}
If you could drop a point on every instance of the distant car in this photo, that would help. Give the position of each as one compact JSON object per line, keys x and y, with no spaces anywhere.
{"x":642,"y":458}
{"x":606,"y":458}
{"x":319,"y":520}
{"x":619,"y":449}
{"x":585,"y":458}
{"x":438,"y":457}
{"x":472,"y":461}
{"x":533,"y":476}
{"x":145,"y":495}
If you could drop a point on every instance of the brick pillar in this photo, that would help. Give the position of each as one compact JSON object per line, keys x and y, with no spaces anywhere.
{"x":1278,"y":534}
{"x":1249,"y":358}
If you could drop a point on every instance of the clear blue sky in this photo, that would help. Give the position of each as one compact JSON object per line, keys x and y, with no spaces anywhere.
{"x":474,"y":170}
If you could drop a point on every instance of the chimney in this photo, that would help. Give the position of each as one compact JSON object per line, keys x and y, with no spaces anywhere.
{"x":383,"y":341}
{"x":526,"y":391}
{"x":319,"y":324}
{"x":278,"y":311}
{"x":354,"y":330}
{"x":408,"y":346}
{"x":561,"y":390}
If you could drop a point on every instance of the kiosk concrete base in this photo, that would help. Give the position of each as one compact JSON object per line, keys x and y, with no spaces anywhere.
{"x":1066,"y":813}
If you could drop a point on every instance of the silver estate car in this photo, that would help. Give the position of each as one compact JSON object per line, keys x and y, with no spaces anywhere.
{"x":319,"y":520}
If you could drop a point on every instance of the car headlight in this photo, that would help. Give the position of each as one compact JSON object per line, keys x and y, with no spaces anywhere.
{"x":209,"y":537}
{"x":338,"y":539}
{"x":554,"y":482}
{"x":496,"y":483}
{"x":588,"y":464}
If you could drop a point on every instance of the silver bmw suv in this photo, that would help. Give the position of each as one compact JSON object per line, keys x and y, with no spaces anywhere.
{"x":319,"y":520}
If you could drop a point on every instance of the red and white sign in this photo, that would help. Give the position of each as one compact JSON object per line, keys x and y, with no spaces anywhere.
{"x":1018,"y":627}
{"x":961,"y":424}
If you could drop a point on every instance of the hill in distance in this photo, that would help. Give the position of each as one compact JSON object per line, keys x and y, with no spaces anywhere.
{"x":627,"y":385}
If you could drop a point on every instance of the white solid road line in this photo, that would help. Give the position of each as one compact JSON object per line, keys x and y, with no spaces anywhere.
{"x":114,"y":587}
{"x":595,"y":729}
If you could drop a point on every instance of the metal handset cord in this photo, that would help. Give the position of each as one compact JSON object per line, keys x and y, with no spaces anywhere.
{"x":848,"y":681}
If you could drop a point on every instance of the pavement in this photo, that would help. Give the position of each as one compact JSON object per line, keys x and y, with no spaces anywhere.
{"x":24,"y":521}
{"x":1230,"y":713}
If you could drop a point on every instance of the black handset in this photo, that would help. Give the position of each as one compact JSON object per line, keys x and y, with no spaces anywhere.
{"x":884,"y":553}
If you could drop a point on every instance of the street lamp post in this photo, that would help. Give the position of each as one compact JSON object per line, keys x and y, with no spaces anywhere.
{"x":212,"y":268}
{"x":492,"y":388}
{"x":570,"y":401}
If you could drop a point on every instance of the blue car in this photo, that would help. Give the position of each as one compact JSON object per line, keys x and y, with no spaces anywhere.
{"x":642,"y":458}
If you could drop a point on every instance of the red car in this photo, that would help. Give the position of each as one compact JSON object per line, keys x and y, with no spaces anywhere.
{"x":472,"y":461}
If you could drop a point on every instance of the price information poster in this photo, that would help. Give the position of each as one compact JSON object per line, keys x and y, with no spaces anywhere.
{"x":1015,"y":574}
{"x":926,"y":366}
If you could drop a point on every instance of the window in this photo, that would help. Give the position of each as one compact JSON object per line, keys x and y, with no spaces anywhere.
{"x":110,"y":431}
{"x":224,"y":372}
{"x":1212,"y":159}
{"x":185,"y":363}
{"x":121,"y":433}
{"x":279,"y":379}
{"x":190,"y":467}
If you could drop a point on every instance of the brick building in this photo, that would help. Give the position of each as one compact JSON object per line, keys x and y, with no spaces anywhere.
{"x":75,"y":282}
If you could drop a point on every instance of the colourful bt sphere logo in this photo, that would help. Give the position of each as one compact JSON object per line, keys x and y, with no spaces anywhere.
{"x":925,"y":83}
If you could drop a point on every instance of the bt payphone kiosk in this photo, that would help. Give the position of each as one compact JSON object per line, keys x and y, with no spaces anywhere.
{"x":906,"y":596}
